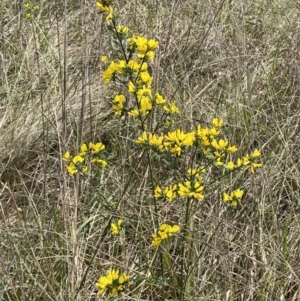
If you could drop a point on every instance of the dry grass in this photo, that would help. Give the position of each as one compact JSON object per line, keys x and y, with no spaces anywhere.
{"x":235,"y":60}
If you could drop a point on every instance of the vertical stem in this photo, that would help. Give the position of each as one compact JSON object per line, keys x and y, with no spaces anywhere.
{"x":184,"y":233}
{"x":190,"y":252}
{"x":64,"y":81}
{"x":35,"y":38}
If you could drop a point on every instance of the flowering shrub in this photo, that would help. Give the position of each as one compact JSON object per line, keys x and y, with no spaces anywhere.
{"x":201,"y":155}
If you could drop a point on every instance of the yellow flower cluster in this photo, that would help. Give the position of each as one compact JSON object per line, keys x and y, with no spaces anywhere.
{"x":121,"y":70}
{"x":233,"y":197}
{"x":88,"y":154}
{"x":112,"y":283}
{"x":145,"y":48}
{"x":174,"y":142}
{"x":133,"y":71}
{"x":116,"y":227}
{"x":164,"y":232}
{"x":105,"y":7}
{"x":249,"y":160}
{"x":212,"y":148}
{"x":144,"y":99}
{"x":170,"y":192}
{"x":122,"y":30}
{"x":193,"y":189}
{"x":118,"y":104}
{"x":30,"y":10}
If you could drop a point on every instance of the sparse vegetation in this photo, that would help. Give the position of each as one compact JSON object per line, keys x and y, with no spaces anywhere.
{"x":231,"y":62}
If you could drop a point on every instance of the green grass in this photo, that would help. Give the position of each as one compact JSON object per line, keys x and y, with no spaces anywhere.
{"x":239,"y":62}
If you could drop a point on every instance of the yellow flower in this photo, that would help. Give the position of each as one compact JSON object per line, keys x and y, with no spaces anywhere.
{"x":78,"y":159}
{"x":109,"y":17}
{"x":238,"y":193}
{"x":113,"y":69}
{"x":202,"y":136}
{"x":134,"y":113}
{"x":249,"y":160}
{"x":152,"y":44}
{"x":144,"y":91}
{"x":239,"y":162}
{"x":134,"y":66}
{"x":219,"y":162}
{"x":72,"y":169}
{"x":157,"y":192}
{"x":233,"y":197}
{"x":175,"y":141}
{"x":124,"y":278}
{"x":213,"y":132}
{"x":118,"y":104}
{"x":145,"y":105}
{"x":189,"y":189}
{"x":120,"y":66}
{"x":142,"y":139}
{"x":84,"y":169}
{"x":103,"y":6}
{"x":100,"y":161}
{"x":131,"y":87}
{"x":156,"y":240}
{"x":217,"y":123}
{"x":256,"y":153}
{"x":165,"y":231}
{"x":75,"y":165}
{"x":67,"y":156}
{"x":149,"y":55}
{"x":230,"y":165}
{"x":171,"y":108}
{"x":253,"y":166}
{"x":116,"y":228}
{"x":219,"y":145}
{"x":145,"y":48}
{"x":146,"y":78}
{"x":144,"y":66}
{"x":159,"y":100}
{"x":232,"y":149}
{"x":174,"y":229}
{"x":141,"y":44}
{"x":96,"y":148}
{"x":83,"y":150}
{"x":107,"y":75}
{"x":112,"y":283}
{"x":122,"y":29}
{"x":170,"y":192}
{"x":226,"y":197}
{"x":156,"y":141}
